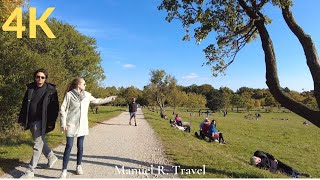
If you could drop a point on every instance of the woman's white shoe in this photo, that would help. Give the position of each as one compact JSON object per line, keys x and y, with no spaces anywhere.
{"x":79,"y":170}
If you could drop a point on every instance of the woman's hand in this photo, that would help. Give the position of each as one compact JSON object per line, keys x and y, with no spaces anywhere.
{"x":63,"y":129}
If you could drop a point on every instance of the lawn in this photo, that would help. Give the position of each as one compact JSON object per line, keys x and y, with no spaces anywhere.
{"x":280,"y":134}
{"x":19,"y":149}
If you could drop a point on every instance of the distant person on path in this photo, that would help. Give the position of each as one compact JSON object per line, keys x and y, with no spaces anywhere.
{"x":267,"y":161}
{"x":199,"y":112}
{"x":40,"y":108}
{"x":74,"y":120}
{"x":207,"y":113}
{"x":133,"y":111}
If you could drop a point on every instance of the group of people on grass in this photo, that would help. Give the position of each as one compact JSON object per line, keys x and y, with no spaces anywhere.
{"x":40,"y":108}
{"x":259,"y":159}
{"x":209,"y":129}
{"x":179,"y":124}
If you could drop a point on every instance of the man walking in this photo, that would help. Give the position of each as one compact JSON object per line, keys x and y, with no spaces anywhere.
{"x":39,"y":112}
{"x":133,"y":111}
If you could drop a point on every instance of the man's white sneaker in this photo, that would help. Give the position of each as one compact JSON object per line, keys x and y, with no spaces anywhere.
{"x":79,"y":170}
{"x":63,"y":174}
{"x":28,"y":174}
{"x":51,"y":160}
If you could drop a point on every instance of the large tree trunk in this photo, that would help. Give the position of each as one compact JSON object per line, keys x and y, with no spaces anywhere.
{"x":308,"y":48}
{"x":272,"y":74}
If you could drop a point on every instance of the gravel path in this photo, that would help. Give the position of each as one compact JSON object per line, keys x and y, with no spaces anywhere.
{"x":113,"y":149}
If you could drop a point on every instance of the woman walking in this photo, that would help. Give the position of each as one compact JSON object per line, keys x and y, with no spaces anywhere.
{"x":74,"y":120}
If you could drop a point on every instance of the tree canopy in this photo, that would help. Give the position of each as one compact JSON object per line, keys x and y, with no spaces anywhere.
{"x":235,"y":23}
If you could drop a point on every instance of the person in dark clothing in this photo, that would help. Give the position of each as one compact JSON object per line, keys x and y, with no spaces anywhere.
{"x":133,"y":111}
{"x":207,"y":113}
{"x":204,"y":128}
{"x":267,"y":161}
{"x":38,"y":113}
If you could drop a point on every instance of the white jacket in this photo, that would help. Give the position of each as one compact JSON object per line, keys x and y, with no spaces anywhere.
{"x":74,"y":113}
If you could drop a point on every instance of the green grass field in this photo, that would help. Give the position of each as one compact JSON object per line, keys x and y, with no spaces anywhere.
{"x":18,"y":150}
{"x":280,"y":134}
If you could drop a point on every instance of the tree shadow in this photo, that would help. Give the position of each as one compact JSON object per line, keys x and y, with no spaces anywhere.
{"x":166,"y":168}
{"x":112,"y":124}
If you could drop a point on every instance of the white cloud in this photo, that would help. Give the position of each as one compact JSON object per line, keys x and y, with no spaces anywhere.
{"x":128,"y":66}
{"x":190,"y":76}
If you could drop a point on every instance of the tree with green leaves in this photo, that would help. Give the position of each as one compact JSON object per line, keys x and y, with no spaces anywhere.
{"x":160,"y":87}
{"x":7,"y":7}
{"x":236,"y":23}
{"x":226,"y":95}
{"x":131,"y":92}
{"x":176,"y":98}
{"x":68,"y":56}
{"x":237,"y":101}
{"x":195,"y":101}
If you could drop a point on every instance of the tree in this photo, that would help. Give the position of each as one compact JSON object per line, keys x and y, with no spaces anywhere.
{"x":237,"y":101}
{"x":160,"y":86}
{"x":130,"y":92}
{"x":7,"y":7}
{"x":195,"y":100}
{"x":237,"y":22}
{"x":176,"y":98}
{"x":214,"y":100}
{"x":226,"y":94}
{"x":68,"y":56}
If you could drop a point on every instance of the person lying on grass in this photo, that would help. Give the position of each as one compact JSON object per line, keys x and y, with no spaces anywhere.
{"x":265,"y":160}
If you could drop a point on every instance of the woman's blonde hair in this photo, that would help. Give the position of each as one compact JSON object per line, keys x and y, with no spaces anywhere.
{"x":74,"y":84}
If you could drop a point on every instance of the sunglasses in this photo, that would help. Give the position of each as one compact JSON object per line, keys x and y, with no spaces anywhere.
{"x":40,"y":77}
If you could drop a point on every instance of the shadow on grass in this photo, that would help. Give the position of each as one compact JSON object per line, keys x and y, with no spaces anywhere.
{"x":107,"y":111}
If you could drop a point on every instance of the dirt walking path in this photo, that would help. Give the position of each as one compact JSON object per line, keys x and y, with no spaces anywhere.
{"x":113,"y":149}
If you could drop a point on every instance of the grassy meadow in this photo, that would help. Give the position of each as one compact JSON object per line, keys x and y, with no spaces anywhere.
{"x":280,"y":134}
{"x":18,"y":149}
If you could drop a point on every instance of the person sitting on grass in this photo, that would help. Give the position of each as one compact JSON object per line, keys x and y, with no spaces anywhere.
{"x":267,"y":161}
{"x":178,"y":120}
{"x":204,"y":128}
{"x":214,"y":134}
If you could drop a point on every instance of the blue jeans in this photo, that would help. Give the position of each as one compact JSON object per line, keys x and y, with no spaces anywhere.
{"x":67,"y":151}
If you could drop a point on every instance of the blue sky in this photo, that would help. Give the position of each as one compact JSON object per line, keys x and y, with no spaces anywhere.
{"x":134,"y":38}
